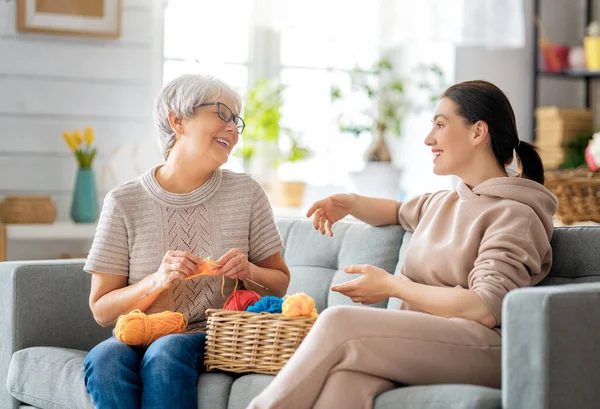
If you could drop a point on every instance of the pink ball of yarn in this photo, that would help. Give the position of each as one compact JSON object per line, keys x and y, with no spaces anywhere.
{"x":240,"y":300}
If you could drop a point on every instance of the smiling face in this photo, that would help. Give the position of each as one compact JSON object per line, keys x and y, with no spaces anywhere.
{"x":451,"y":140}
{"x":206,"y":136}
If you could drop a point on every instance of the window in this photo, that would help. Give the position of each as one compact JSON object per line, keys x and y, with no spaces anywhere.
{"x":315,"y":44}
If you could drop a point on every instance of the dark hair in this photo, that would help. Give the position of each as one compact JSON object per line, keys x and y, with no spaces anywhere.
{"x":483,"y":101}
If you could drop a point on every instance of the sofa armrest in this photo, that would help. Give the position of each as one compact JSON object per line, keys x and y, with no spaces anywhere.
{"x":44,"y":303}
{"x":551,"y":347}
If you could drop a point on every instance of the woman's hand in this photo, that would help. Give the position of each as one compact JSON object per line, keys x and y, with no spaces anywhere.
{"x":374,"y":286}
{"x":327,"y":211}
{"x":235,"y":265}
{"x":176,"y":265}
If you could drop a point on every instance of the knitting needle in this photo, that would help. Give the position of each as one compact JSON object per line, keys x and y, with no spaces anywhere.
{"x":159,"y":287}
{"x":245,"y":279}
{"x":170,"y":281}
{"x":257,"y":284}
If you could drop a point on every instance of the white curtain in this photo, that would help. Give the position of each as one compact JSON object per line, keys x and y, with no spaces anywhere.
{"x":488,"y":23}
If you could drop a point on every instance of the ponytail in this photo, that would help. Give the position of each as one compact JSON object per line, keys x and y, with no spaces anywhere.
{"x":530,"y":163}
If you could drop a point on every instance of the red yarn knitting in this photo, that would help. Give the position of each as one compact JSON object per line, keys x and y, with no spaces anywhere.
{"x":240,"y":300}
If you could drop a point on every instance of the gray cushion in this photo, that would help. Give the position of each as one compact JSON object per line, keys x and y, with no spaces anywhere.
{"x":245,"y":388}
{"x":316,"y":262}
{"x":49,"y":377}
{"x":440,"y":397}
{"x":214,"y":389}
{"x":575,"y":255}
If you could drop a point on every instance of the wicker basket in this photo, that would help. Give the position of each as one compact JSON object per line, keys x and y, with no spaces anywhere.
{"x":578,"y":193}
{"x":239,"y":341}
{"x":27,"y":209}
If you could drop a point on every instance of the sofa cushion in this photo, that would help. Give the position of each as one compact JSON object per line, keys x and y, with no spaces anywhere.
{"x":440,"y":396}
{"x":50,"y":377}
{"x":575,"y":255}
{"x":214,"y":389}
{"x":245,"y":388}
{"x":316,"y":262}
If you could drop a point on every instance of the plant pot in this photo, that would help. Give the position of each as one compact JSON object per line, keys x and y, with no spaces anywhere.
{"x":289,"y":194}
{"x":377,"y":179}
{"x":84,"y":206}
{"x":378,"y":151}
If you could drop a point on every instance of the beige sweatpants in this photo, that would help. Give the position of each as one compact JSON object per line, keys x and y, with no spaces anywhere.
{"x":352,"y":354}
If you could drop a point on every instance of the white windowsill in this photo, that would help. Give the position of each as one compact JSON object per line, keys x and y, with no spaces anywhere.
{"x":54,"y":231}
{"x":66,"y":230}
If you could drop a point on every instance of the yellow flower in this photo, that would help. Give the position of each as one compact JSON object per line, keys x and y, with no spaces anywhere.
{"x":88,"y":135}
{"x":70,"y":141}
{"x":77,"y":137}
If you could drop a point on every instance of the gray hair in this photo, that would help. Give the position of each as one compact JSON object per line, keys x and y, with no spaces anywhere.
{"x":181,"y":96}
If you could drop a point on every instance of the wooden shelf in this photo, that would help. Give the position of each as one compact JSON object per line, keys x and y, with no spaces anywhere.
{"x":572,"y":74}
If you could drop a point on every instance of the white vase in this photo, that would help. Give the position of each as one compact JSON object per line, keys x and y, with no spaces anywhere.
{"x":377,"y":179}
{"x":261,"y":166}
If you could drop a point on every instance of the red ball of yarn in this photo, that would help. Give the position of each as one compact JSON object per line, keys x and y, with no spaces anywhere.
{"x":240,"y":300}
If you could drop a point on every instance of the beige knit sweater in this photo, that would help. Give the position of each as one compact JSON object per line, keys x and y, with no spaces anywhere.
{"x":140,"y":222}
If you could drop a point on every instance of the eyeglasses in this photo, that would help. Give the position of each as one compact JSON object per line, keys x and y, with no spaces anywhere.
{"x":227,"y":115}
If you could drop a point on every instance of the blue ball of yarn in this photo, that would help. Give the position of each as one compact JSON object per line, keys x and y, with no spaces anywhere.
{"x":268,"y":303}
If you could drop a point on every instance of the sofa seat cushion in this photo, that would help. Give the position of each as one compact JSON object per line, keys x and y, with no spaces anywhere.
{"x":214,"y":389}
{"x":50,"y":377}
{"x":245,"y":388}
{"x":440,"y":396}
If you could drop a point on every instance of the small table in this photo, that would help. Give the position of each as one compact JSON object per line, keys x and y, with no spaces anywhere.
{"x":54,"y":231}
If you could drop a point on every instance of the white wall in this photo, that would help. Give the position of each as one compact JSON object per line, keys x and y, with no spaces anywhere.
{"x":50,"y":83}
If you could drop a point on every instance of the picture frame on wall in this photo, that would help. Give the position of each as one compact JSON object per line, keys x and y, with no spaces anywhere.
{"x":89,"y":18}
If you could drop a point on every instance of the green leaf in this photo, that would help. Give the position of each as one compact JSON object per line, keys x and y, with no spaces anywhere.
{"x":384,"y":64}
{"x":262,"y":115}
{"x":336,"y":93}
{"x":397,"y":85}
{"x":575,"y":152}
{"x":397,"y":127}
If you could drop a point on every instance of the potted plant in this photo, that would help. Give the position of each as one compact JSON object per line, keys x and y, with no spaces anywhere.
{"x":265,"y":144}
{"x":387,"y":103}
{"x":384,"y":98}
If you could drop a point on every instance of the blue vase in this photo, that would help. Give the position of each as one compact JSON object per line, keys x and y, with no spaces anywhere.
{"x":84,"y":207}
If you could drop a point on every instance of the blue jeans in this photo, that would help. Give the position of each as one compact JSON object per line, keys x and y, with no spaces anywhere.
{"x":164,"y":375}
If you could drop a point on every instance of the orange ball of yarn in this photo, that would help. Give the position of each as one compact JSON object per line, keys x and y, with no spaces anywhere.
{"x":139,"y":329}
{"x":299,"y":305}
{"x":240,"y":300}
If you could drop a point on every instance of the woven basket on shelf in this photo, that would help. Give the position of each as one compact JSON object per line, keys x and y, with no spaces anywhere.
{"x":239,"y":341}
{"x":27,"y":209}
{"x":578,"y":193}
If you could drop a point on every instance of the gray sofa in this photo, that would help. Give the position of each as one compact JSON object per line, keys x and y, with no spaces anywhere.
{"x":551,"y":355}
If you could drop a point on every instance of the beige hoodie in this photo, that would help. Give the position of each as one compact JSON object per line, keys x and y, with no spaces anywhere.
{"x":490,"y":239}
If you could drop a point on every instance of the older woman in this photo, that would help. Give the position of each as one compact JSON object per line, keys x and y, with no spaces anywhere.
{"x":156,"y":229}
